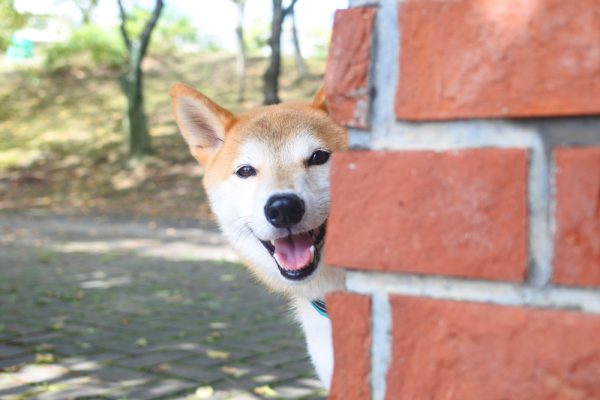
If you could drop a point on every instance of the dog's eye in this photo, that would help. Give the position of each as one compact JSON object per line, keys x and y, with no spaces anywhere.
{"x":319,"y":157}
{"x":245,"y":171}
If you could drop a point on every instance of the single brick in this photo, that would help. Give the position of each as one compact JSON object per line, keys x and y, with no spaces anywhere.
{"x":351,"y":329}
{"x":347,"y":72}
{"x":459,"y":213}
{"x":510,"y":58}
{"x":577,"y":237}
{"x":458,"y":350}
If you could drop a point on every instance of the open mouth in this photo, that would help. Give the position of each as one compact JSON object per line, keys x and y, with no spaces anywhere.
{"x":297,"y":255}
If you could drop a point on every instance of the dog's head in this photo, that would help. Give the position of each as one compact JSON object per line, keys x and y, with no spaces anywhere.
{"x":267,"y":178}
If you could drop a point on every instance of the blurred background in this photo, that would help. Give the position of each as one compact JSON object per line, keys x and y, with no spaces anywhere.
{"x":85,"y":119}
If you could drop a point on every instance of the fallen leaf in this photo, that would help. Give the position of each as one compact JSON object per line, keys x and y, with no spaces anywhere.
{"x":266,"y":391}
{"x":233,"y":371}
{"x":45,"y":358}
{"x":218,"y":325}
{"x":58,"y":326}
{"x":164,"y":367}
{"x":217,"y":354}
{"x":204,"y":392}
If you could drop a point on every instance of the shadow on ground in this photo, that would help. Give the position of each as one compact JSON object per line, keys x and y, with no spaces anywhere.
{"x":101,"y":309}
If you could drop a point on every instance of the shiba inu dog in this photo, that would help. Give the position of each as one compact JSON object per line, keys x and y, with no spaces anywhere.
{"x":267,"y":179}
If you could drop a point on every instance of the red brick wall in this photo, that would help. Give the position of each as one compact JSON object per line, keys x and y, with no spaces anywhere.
{"x":351,"y":323}
{"x":577,"y":239}
{"x":347,"y":83}
{"x":479,"y":238}
{"x":459,"y":213}
{"x":460,"y":350}
{"x":485,"y":58}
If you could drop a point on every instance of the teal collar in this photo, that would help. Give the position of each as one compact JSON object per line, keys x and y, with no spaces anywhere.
{"x":320,"y":306}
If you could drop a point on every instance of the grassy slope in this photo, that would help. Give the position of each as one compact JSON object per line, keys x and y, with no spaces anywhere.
{"x":61,"y":146}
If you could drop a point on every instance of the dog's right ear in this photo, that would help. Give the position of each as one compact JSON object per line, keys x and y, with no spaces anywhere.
{"x":320,"y":100}
{"x":202,"y":122}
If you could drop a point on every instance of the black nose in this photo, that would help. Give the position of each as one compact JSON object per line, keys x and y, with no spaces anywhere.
{"x":284,"y":211}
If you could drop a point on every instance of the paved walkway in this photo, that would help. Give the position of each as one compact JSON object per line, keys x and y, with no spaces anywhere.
{"x":101,"y":309}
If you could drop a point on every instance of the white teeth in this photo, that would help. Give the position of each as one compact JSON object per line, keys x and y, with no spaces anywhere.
{"x":312,"y":253}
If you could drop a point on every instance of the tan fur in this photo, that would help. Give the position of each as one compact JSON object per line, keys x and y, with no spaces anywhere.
{"x":271,"y":123}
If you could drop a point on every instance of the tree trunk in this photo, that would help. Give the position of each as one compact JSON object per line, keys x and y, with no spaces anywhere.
{"x":86,"y":7}
{"x":271,"y":76}
{"x":300,"y":64}
{"x":241,"y":55}
{"x":135,"y":123}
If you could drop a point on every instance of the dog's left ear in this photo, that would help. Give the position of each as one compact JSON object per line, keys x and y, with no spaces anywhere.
{"x":320,"y":100}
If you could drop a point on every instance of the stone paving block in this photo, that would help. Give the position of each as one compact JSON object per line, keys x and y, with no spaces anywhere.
{"x":122,"y":376}
{"x":11,"y":351}
{"x":201,"y":361}
{"x":38,"y":373}
{"x":15,"y":362}
{"x":71,"y":347}
{"x":79,"y":362}
{"x":199,"y":375}
{"x":302,"y":367}
{"x":42,"y":337}
{"x":118,"y":346}
{"x":229,"y":355}
{"x":224,"y":394}
{"x":22,"y":330}
{"x":248,"y":343}
{"x":75,"y":388}
{"x":4,"y":337}
{"x":258,"y":376}
{"x":282,"y":358}
{"x":299,"y":388}
{"x":151,"y":359}
{"x":157,"y":389}
{"x":188,"y":346}
{"x":11,"y":385}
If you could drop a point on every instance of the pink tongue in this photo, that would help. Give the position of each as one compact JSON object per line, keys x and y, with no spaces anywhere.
{"x":293,"y":253}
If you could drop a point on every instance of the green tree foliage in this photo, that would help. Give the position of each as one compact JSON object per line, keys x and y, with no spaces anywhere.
{"x":256,"y":37}
{"x":10,"y":21}
{"x":171,"y":31}
{"x":88,"y":46}
{"x":92,"y":46}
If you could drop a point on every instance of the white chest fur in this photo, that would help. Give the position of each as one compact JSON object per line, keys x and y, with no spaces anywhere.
{"x":317,"y":330}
